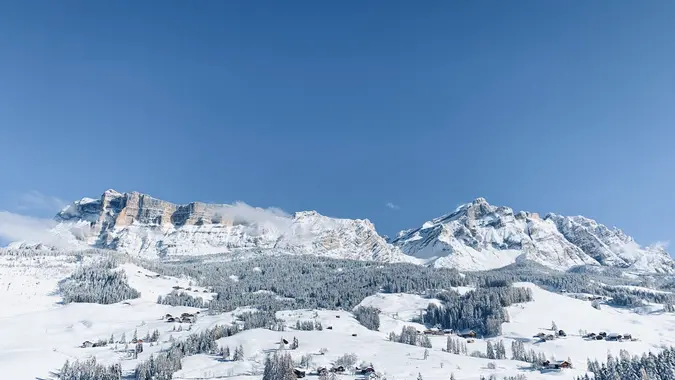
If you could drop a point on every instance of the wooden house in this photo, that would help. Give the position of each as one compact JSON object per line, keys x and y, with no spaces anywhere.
{"x":87,"y":344}
{"x":556,"y":364}
{"x":614,"y":337}
{"x":298,"y":373}
{"x":467,"y":333}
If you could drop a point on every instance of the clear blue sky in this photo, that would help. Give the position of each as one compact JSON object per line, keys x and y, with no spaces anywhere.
{"x":344,"y":106}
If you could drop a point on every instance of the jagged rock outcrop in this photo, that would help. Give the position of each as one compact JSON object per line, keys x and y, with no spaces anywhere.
{"x":142,"y":225}
{"x":477,"y":236}
{"x":481,"y":236}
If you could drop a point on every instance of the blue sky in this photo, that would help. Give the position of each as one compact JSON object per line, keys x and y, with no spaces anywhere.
{"x":344,"y":106}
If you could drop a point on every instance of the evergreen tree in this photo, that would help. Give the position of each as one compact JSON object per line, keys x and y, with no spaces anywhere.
{"x":295,"y":343}
{"x":238,"y":353}
{"x":490,"y":352}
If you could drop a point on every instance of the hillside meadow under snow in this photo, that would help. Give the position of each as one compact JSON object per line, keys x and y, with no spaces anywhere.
{"x":39,"y":333}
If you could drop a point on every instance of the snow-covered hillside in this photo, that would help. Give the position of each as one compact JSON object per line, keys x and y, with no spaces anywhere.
{"x":482,"y":236}
{"x":38,"y":333}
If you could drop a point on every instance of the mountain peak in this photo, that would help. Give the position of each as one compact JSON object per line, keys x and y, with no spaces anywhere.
{"x":480,"y":201}
{"x":139,"y":224}
{"x":481,"y":236}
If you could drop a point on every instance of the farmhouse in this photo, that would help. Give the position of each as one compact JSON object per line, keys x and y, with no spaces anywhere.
{"x":614,"y":337}
{"x":556,"y":364}
{"x":299,"y":373}
{"x":467,"y":333}
{"x":87,"y":344}
{"x":338,"y":369}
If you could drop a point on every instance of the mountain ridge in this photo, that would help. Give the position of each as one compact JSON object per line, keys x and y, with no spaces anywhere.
{"x":476,"y":236}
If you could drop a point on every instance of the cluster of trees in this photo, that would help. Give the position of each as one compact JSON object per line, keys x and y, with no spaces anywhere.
{"x":304,"y":282}
{"x":161,"y":366}
{"x":368,"y":316}
{"x":409,"y":335}
{"x":279,"y":366}
{"x":90,"y":370}
{"x":97,"y":283}
{"x":495,"y":351}
{"x":481,"y":310}
{"x":261,"y":319}
{"x":456,"y":346}
{"x":608,"y":282}
{"x":518,"y":352}
{"x":494,"y":377}
{"x":347,"y":360}
{"x":181,"y":299}
{"x":308,"y":325}
{"x":651,"y":366}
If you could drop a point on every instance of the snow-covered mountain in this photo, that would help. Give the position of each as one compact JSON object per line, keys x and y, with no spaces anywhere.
{"x":141,"y":225}
{"x":476,"y":236}
{"x":480,"y":236}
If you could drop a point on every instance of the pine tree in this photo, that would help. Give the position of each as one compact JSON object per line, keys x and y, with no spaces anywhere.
{"x":419,"y":376}
{"x":238,"y":353}
{"x":135,"y":337}
{"x":426,"y":354}
{"x":490,"y":352}
{"x":425,"y":342}
{"x":554,"y":327}
{"x":111,"y":340}
{"x":226,"y":352}
{"x":295,"y":343}
{"x":123,"y":338}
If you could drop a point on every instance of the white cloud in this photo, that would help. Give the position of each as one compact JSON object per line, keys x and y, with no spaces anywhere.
{"x":661,"y":244}
{"x":35,"y":200}
{"x":242,"y":213}
{"x":16,"y":227}
{"x":392,"y":206}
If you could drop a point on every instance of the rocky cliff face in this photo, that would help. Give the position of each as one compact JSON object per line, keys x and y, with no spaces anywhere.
{"x":141,"y":225}
{"x":481,"y":236}
{"x":477,"y":236}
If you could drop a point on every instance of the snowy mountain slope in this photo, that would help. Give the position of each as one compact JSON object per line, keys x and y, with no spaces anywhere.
{"x":39,"y":334}
{"x":138,"y":224}
{"x":482,"y":236}
{"x":477,"y":236}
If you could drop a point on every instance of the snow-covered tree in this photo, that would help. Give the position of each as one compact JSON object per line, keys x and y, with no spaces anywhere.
{"x":490,"y":352}
{"x":238,"y":353}
{"x":368,"y":316}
